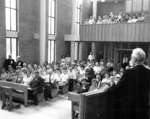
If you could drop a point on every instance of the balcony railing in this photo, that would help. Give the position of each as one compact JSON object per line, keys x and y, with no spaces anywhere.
{"x":121,"y":32}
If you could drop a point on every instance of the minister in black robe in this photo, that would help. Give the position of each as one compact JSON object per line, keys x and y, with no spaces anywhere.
{"x":130,"y":98}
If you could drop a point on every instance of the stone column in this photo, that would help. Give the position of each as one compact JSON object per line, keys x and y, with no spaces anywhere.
{"x":2,"y":33}
{"x":93,"y":47}
{"x":148,"y":57}
{"x":74,"y":50}
{"x":80,"y":51}
{"x":43,"y":30}
{"x":95,"y":9}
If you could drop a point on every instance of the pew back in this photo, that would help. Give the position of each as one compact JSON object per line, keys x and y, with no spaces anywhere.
{"x":17,"y":87}
{"x":92,"y":105}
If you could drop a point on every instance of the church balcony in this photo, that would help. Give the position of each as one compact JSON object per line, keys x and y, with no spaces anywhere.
{"x":120,"y":32}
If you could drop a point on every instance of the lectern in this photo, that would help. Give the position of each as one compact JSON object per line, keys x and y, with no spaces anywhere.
{"x":91,"y":105}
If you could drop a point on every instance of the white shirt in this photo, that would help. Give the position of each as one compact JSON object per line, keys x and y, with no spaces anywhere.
{"x":27,"y":80}
{"x":55,"y":77}
{"x":97,"y":69}
{"x":64,"y":77}
{"x":91,"y":57}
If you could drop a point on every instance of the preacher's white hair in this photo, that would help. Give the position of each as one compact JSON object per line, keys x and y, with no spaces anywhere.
{"x":139,"y":54}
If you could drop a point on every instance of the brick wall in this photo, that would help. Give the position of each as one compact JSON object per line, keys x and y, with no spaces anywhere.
{"x":64,"y":23}
{"x":28,"y":26}
{"x":29,"y":23}
{"x":2,"y":33}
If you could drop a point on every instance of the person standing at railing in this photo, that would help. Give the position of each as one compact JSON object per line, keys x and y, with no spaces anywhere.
{"x":91,"y":56}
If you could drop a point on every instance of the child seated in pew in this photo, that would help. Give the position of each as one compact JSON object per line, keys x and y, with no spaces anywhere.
{"x":107,"y":80}
{"x":45,"y":75}
{"x":27,"y":77}
{"x":24,"y":67}
{"x":82,"y":70}
{"x":47,"y":82}
{"x":94,"y":85}
{"x":30,"y":68}
{"x":73,"y":76}
{"x":55,"y":76}
{"x":64,"y":77}
{"x":83,"y":86}
{"x":54,"y":80}
{"x":99,"y":80}
{"x":3,"y":75}
{"x":19,"y":76}
{"x":117,"y":79}
{"x":63,"y":84}
{"x":11,"y":74}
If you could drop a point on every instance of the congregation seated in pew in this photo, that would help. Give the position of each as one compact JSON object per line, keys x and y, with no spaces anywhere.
{"x":75,"y":76}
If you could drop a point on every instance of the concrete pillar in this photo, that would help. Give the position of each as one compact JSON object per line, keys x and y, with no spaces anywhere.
{"x":95,"y":9}
{"x":2,"y":33}
{"x":80,"y":51}
{"x":74,"y":50}
{"x":43,"y":30}
{"x":94,"y":47}
{"x":148,"y":57}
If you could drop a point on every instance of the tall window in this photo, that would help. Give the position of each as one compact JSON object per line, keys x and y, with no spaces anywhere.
{"x":77,"y":16}
{"x":137,"y":5}
{"x":11,"y":47}
{"x":78,"y":11}
{"x":51,"y":30}
{"x":12,"y":43}
{"x":51,"y":51}
{"x":11,"y":14}
{"x":51,"y":17}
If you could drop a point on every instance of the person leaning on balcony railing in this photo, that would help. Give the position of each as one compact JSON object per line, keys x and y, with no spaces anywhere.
{"x":99,"y":21}
{"x":91,"y":20}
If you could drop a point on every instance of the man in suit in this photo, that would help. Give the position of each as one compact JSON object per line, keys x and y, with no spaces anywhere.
{"x":8,"y":62}
{"x":131,"y":95}
{"x":37,"y":85}
{"x":19,"y":62}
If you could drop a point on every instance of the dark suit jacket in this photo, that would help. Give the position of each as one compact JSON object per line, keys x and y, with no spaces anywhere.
{"x":9,"y":62}
{"x":131,"y":96}
{"x":19,"y":63}
{"x":37,"y":85}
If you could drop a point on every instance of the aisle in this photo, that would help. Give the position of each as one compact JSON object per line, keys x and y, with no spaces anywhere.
{"x":58,"y":108}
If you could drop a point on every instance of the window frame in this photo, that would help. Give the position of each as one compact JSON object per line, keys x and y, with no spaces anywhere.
{"x":11,"y":47}
{"x":50,"y":50}
{"x":137,"y":11}
{"x":10,"y":8}
{"x":51,"y":17}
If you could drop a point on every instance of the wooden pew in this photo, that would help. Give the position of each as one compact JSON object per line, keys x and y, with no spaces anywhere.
{"x":91,"y":105}
{"x":22,"y":90}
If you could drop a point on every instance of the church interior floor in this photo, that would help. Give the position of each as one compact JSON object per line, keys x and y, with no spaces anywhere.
{"x":57,"y":108}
